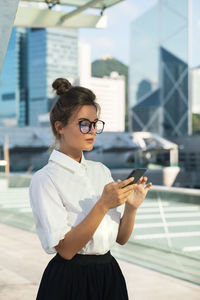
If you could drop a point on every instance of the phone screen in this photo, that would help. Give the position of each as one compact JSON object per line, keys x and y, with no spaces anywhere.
{"x":136,"y":173}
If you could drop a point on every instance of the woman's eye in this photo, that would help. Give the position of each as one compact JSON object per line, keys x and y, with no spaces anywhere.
{"x":85,"y":124}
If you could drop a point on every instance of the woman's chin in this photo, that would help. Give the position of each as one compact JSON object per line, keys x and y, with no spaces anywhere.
{"x":88,"y":147}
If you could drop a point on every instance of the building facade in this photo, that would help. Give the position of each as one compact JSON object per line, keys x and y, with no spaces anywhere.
{"x":109,"y":91}
{"x":195,"y":90}
{"x":14,"y":81}
{"x":53,"y":53}
{"x":34,"y":59}
{"x":158,"y":79}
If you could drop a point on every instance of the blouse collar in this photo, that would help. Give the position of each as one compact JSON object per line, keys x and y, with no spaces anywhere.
{"x":66,"y":161}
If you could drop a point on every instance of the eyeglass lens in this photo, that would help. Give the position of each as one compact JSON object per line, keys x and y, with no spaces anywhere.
{"x":85,"y":126}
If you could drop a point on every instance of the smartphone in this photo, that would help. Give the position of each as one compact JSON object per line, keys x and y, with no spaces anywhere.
{"x":136,"y":173}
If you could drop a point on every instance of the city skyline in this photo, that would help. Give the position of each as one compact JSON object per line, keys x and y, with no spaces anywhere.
{"x":26,"y":98}
{"x":115,"y":39}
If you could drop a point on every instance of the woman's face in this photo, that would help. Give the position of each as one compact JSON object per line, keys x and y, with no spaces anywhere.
{"x":71,"y":136}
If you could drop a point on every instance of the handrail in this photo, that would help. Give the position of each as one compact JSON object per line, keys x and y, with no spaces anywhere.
{"x":161,"y":188}
{"x":177,"y":190}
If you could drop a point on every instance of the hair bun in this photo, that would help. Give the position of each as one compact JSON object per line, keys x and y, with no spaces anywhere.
{"x":61,"y":85}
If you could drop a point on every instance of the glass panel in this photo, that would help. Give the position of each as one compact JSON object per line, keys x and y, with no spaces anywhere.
{"x":177,"y":44}
{"x":165,"y":26}
{"x":146,"y":117}
{"x":15,"y":208}
{"x":174,"y":93}
{"x":180,"y":7}
{"x":166,"y":234}
{"x":148,"y":23}
{"x":9,"y":77}
{"x":172,"y":20}
{"x":143,"y":76}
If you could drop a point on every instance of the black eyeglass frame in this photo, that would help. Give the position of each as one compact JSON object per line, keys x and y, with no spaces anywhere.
{"x":90,"y":125}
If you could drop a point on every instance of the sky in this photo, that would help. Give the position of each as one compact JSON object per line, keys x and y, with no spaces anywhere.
{"x":114,"y":40}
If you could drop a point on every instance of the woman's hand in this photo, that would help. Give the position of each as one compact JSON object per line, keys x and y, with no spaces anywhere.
{"x":138,"y":193}
{"x":115,"y":194}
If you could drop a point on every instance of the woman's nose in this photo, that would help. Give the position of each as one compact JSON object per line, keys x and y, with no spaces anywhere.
{"x":93,"y":128}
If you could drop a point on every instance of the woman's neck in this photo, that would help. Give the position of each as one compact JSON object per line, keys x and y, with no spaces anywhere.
{"x":74,"y":154}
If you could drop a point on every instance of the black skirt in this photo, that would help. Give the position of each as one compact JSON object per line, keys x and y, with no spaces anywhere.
{"x":84,"y":277}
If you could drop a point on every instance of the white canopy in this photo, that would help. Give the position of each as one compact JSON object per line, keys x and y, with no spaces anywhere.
{"x":49,"y":13}
{"x":53,"y":13}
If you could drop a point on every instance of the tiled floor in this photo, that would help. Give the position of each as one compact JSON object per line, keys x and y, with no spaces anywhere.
{"x":22,"y":261}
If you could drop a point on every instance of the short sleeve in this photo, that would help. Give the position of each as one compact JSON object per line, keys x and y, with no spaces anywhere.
{"x":108,"y":179}
{"x":49,"y":213}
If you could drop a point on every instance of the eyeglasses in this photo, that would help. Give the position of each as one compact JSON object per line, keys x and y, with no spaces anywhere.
{"x":85,"y":126}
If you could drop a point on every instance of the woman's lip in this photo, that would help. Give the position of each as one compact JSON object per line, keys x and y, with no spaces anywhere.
{"x":89,"y":139}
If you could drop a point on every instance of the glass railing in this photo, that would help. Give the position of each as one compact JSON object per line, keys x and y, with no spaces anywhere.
{"x":15,"y":207}
{"x":166,"y":235}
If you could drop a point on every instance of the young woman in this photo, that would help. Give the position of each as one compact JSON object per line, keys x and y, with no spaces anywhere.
{"x":79,"y":211}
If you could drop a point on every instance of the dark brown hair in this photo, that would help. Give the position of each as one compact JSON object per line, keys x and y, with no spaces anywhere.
{"x":70,"y":98}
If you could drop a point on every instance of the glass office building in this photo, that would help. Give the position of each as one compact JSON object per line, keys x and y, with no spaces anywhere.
{"x":158,"y":79}
{"x":34,"y":59}
{"x":53,"y":53}
{"x":13,"y":81}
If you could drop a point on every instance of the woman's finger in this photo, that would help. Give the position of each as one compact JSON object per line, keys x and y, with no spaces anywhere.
{"x":128,"y":188}
{"x":144,"y":180}
{"x":140,"y":180}
{"x":148,"y":185}
{"x":125,"y":182}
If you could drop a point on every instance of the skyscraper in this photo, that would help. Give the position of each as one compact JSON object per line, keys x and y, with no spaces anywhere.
{"x":195,"y":90}
{"x":35,"y":58}
{"x":52,"y":53}
{"x":158,"y":94}
{"x":14,"y":81}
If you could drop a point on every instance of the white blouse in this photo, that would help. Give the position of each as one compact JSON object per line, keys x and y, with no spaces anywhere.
{"x":62,"y":193}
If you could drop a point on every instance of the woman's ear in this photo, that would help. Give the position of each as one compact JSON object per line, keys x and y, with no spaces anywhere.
{"x":58,"y":127}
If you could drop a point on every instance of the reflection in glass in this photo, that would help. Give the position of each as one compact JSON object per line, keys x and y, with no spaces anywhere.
{"x":159,"y":70}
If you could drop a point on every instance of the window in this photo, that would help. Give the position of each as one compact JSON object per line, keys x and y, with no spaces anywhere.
{"x":8,"y":96}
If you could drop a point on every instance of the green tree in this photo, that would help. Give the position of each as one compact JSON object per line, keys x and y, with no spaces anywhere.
{"x":196,"y":123}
